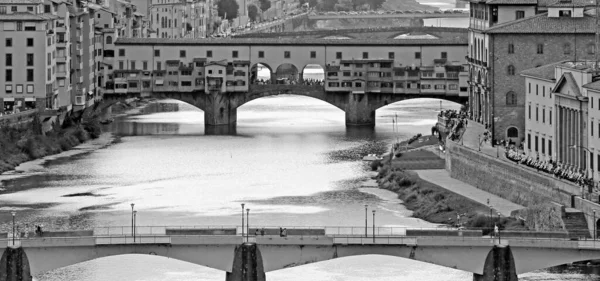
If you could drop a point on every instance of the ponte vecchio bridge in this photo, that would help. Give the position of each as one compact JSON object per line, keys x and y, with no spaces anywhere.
{"x":248,"y":257}
{"x":360,"y":75}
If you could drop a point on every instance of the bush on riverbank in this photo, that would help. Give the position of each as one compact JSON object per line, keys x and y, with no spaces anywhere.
{"x":25,"y":142}
{"x":438,"y":205}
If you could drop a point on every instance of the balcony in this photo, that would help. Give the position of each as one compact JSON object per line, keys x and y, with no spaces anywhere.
{"x":61,"y":74}
{"x":61,"y":44}
{"x":61,"y":29}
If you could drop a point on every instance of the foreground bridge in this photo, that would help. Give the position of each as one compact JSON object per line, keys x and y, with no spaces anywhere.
{"x":404,"y":14}
{"x":248,"y":258}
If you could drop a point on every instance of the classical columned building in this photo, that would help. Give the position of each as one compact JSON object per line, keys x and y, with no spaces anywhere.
{"x":562,"y":121}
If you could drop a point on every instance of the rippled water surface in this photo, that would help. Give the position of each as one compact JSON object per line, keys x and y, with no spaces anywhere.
{"x":292,"y":161}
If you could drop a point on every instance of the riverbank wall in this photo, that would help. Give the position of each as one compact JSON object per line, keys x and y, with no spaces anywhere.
{"x":506,"y":179}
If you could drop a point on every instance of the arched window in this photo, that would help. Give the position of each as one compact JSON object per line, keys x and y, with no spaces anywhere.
{"x":540,"y":48}
{"x":512,"y":132}
{"x":591,"y":49}
{"x":157,"y":18}
{"x":511,"y":98}
{"x":567,"y":49}
{"x":108,"y":39}
{"x":510,"y":70}
{"x":511,"y":48}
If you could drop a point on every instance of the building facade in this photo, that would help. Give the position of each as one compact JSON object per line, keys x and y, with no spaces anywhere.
{"x":180,"y":19}
{"x":562,"y":114}
{"x":507,"y":37}
{"x":28,"y":53}
{"x":402,"y":67}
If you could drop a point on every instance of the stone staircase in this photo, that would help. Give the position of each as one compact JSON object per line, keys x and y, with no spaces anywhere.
{"x":575,"y":223}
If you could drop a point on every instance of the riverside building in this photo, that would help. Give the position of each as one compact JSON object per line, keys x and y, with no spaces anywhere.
{"x":509,"y":36}
{"x":562,"y":121}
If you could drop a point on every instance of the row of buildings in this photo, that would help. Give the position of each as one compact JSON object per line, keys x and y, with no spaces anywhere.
{"x":54,"y":52}
{"x":426,"y":67}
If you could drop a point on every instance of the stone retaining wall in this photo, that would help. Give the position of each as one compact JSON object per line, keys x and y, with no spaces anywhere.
{"x":517,"y":183}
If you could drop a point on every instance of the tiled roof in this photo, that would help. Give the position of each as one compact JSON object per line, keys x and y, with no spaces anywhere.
{"x":545,"y":72}
{"x":571,"y":3}
{"x":457,"y":40}
{"x":594,"y":85}
{"x":20,"y":2}
{"x":543,"y":24}
{"x":568,"y":78}
{"x":27,"y":17}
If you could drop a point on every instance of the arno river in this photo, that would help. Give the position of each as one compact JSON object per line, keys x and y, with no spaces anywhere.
{"x":292,"y":161}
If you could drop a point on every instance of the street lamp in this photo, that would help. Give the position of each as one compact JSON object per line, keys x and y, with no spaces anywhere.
{"x":134,"y":218}
{"x":373,"y":226}
{"x":498,"y":228}
{"x":13,"y":216}
{"x":490,"y":207}
{"x":132,"y":204}
{"x":479,"y":142}
{"x":594,"y":224}
{"x":243,"y":221}
{"x":584,"y":162}
{"x":366,"y":206}
{"x":247,"y":224}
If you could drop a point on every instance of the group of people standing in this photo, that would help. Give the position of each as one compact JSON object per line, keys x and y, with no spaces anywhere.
{"x":563,"y":171}
{"x":262,"y":232}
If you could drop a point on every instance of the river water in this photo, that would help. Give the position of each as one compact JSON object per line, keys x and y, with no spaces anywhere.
{"x":292,"y":161}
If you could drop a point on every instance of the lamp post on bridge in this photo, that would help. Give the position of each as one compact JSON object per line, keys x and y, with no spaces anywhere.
{"x":479,"y":142}
{"x":132,"y":205}
{"x":13,"y":213}
{"x":247,"y":225}
{"x":243,"y":221}
{"x":490,"y":207}
{"x":594,"y":224}
{"x":366,"y":232}
{"x":498,"y":228}
{"x":134,"y":218}
{"x":373,"y":226}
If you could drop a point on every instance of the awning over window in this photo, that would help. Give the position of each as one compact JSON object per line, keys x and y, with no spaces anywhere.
{"x":9,"y":99}
{"x":29,"y":99}
{"x":160,"y":82}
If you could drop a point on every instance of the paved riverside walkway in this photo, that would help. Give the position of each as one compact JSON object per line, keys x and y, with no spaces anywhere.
{"x":443,"y":179}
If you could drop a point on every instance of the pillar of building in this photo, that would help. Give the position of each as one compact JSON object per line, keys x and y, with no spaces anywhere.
{"x":499,"y":266}
{"x":358,"y":111}
{"x":559,"y":139}
{"x":568,"y":136}
{"x":14,"y":265}
{"x":219,"y":111}
{"x":247,"y":264}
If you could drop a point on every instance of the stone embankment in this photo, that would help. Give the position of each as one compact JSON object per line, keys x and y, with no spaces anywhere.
{"x":28,"y":141}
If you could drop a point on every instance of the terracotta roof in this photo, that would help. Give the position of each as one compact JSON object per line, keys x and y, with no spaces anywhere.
{"x":571,"y":3}
{"x":543,"y":24}
{"x":594,"y":85}
{"x":20,"y":2}
{"x":27,"y":17}
{"x":366,"y":60}
{"x":545,"y":72}
{"x":457,"y":40}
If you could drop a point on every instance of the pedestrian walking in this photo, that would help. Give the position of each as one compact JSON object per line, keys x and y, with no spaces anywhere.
{"x":495,"y":230}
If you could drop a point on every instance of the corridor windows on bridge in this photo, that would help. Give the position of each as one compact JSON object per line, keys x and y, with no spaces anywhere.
{"x":209,"y":54}
{"x":157,"y":53}
{"x":365,"y":55}
{"x":391,"y":55}
{"x":182,"y":53}
{"x":338,"y":55}
{"x":234,"y":54}
{"x":287,"y":54}
{"x":313,"y":54}
{"x":418,"y":55}
{"x":261,"y":54}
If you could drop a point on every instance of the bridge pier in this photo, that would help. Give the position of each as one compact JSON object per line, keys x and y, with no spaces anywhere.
{"x":499,"y":266}
{"x":14,"y":265}
{"x":219,"y":111}
{"x":358,"y":111}
{"x":247,"y":264}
